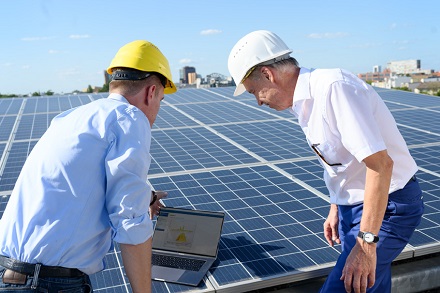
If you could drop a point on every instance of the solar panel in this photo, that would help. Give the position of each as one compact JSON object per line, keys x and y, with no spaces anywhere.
{"x":217,"y":152}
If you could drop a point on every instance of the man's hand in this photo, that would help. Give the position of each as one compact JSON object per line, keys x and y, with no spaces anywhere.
{"x":331,"y":233}
{"x":360,"y":267}
{"x":156,"y":204}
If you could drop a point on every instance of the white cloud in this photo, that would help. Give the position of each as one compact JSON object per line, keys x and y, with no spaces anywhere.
{"x":26,"y":67}
{"x":210,"y":32}
{"x":327,"y":35}
{"x":393,"y":26}
{"x":32,"y":39}
{"x":53,"y":51}
{"x":79,"y":37}
{"x":7,"y":64}
{"x":185,"y":61}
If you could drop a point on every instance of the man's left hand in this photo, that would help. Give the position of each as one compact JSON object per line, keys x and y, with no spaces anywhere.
{"x":157,"y":204}
{"x":359,"y":272}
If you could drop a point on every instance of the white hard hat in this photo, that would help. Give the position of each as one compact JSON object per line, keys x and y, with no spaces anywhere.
{"x":254,"y":48}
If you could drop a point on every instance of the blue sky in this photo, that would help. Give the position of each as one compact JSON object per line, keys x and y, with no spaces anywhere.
{"x":65,"y":45}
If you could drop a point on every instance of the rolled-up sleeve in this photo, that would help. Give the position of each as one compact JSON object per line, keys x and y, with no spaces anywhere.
{"x":128,"y":193}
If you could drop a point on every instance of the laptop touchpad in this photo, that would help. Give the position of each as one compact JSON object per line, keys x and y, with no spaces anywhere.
{"x":172,"y":273}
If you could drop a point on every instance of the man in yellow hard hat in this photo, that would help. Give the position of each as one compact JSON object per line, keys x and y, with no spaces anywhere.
{"x":84,"y":185}
{"x":375,"y":200}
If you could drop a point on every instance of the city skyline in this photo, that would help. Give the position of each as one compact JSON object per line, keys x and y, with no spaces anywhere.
{"x":65,"y":46}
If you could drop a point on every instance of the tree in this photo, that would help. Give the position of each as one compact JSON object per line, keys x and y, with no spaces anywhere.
{"x":36,"y":94}
{"x":49,"y":93}
{"x":105,"y":88}
{"x":7,"y":96}
{"x":89,"y":89}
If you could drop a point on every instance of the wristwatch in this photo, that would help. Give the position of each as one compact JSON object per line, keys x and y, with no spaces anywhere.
{"x":368,"y":237}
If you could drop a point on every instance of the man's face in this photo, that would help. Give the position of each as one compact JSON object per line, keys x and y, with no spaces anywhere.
{"x":267,"y":93}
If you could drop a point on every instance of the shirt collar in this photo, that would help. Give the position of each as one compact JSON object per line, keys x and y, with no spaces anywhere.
{"x":302,"y":91}
{"x":117,"y":97}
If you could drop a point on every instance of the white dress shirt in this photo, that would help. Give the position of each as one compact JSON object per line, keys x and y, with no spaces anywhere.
{"x":346,"y":121}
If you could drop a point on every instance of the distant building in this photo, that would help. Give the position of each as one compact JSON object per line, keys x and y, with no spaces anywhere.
{"x":398,"y":81}
{"x":404,"y":67}
{"x":192,"y":76}
{"x":184,"y":74}
{"x":376,"y":76}
{"x":431,"y":88}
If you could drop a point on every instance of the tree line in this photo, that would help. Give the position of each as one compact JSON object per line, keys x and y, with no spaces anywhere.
{"x":104,"y":89}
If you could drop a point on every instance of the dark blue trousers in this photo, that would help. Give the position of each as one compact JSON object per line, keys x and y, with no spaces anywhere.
{"x":48,"y":285}
{"x":402,"y":216}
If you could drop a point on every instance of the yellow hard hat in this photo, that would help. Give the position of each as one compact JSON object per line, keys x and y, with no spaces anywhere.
{"x":144,"y":56}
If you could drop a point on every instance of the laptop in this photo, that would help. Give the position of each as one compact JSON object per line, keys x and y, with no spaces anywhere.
{"x":185,"y":244}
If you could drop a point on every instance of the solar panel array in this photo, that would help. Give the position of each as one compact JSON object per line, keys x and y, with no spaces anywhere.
{"x":213,"y":151}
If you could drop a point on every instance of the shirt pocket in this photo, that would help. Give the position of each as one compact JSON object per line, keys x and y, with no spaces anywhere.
{"x":328,"y":157}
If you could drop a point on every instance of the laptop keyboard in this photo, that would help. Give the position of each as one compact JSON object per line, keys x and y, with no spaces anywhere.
{"x":177,"y":262}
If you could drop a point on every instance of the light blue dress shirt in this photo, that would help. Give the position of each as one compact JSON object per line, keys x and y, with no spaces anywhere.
{"x":83,"y":185}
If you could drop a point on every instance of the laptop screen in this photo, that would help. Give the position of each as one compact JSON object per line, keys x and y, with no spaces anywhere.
{"x":188,"y":231}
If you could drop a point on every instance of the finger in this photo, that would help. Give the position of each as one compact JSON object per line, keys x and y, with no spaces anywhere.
{"x":161,"y":194}
{"x":356,"y":285}
{"x":329,"y":240}
{"x":335,"y":235}
{"x":347,"y":278}
{"x":371,"y":280}
{"x":363,"y":284}
{"x":328,"y":236}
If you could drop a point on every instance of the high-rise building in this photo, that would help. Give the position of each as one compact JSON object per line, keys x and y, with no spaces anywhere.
{"x":192,"y":76}
{"x":184,"y":74}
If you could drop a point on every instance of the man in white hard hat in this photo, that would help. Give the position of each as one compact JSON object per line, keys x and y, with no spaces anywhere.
{"x":84,"y":185}
{"x":375,"y":199}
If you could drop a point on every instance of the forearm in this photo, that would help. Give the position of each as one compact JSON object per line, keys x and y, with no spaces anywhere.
{"x":377,"y":186}
{"x":137,"y":263}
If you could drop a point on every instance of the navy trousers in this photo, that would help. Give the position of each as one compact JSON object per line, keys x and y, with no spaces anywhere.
{"x":402,"y":216}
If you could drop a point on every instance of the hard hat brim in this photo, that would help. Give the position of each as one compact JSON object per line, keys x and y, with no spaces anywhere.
{"x":239,"y":90}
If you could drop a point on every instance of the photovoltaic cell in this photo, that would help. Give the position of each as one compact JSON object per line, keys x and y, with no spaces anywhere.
{"x":6,"y":126}
{"x":10,"y":106}
{"x":188,"y":148}
{"x":423,"y":119}
{"x":17,"y":156}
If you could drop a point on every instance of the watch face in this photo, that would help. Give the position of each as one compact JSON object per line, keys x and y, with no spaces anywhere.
{"x":368,"y":237}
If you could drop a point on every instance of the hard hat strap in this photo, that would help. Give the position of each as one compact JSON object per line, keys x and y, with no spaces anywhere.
{"x":129,"y":75}
{"x":137,"y":75}
{"x":275,"y":60}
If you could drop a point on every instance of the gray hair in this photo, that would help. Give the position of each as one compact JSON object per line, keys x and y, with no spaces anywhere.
{"x":281,"y":65}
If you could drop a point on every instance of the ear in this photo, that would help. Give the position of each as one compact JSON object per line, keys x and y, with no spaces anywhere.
{"x":267,"y":73}
{"x":149,"y":93}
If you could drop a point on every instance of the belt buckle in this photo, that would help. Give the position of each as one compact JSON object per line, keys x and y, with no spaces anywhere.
{"x":13,"y":277}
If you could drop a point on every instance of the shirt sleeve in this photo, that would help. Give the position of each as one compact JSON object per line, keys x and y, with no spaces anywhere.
{"x":351,"y":108}
{"x":128,"y":193}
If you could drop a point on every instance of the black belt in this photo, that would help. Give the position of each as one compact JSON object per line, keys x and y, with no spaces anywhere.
{"x":45,"y":271}
{"x":413,"y":178}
